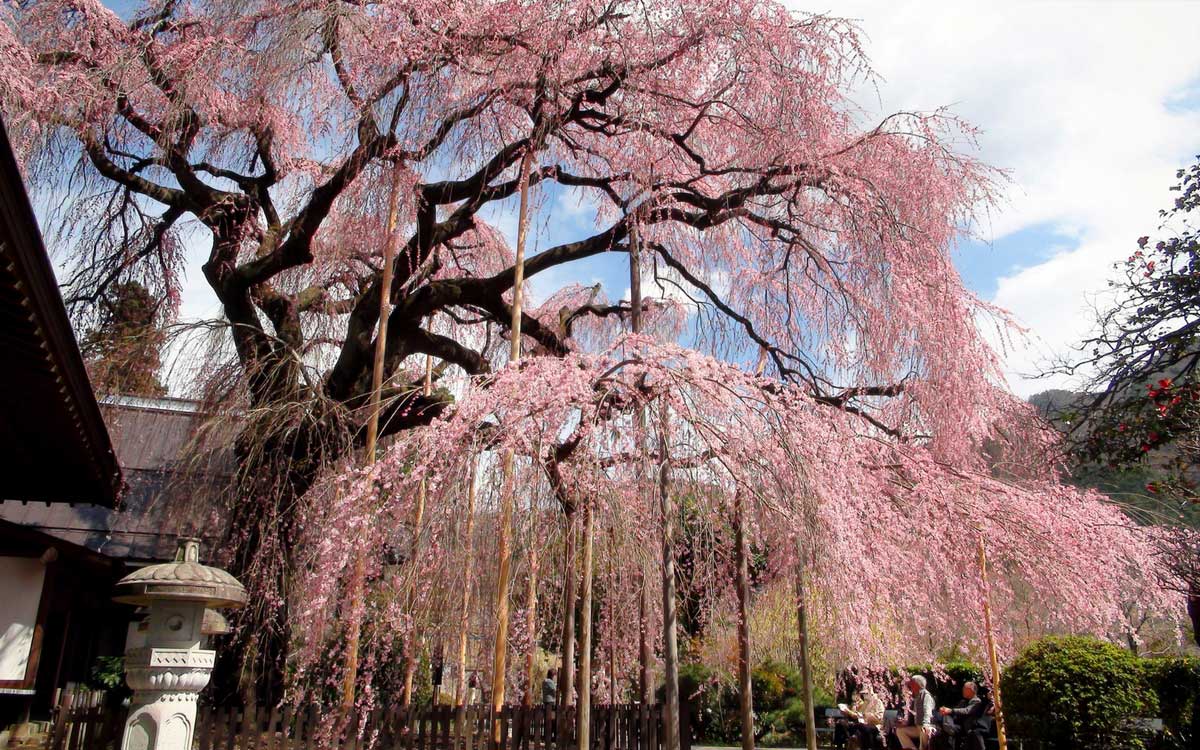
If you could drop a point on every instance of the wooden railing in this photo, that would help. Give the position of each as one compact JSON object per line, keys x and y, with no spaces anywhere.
{"x":90,"y":725}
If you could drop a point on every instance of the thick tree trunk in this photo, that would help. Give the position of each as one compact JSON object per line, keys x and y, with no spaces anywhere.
{"x":583,"y":715}
{"x":746,"y":696}
{"x":670,"y":711}
{"x":566,"y":673}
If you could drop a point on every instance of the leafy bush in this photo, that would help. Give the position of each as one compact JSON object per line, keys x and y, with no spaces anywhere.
{"x":774,"y":685}
{"x":778,"y":705}
{"x":1066,"y":691}
{"x":108,"y":673}
{"x":714,"y":709}
{"x":1176,"y":684}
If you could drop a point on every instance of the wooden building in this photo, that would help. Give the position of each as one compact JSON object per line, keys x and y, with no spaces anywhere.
{"x":54,"y":448}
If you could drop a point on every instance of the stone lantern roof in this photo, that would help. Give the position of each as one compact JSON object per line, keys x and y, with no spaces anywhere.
{"x":184,"y":579}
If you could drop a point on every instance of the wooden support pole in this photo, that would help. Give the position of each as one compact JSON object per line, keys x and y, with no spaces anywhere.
{"x":1001,"y":735}
{"x":810,"y":724}
{"x":745,"y":690}
{"x":464,"y":612}
{"x":670,"y":709}
{"x":531,"y":603}
{"x":583,"y":712}
{"x":357,"y":580}
{"x":645,"y":648}
{"x":504,"y":545}
{"x":612,"y":623}
{"x":566,"y":672}
{"x":412,"y":646}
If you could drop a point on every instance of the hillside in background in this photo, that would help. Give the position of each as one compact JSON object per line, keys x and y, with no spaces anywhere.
{"x":1126,"y":487}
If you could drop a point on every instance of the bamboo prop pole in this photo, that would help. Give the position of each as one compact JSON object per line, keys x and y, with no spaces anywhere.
{"x":357,"y":580}
{"x":566,"y":668}
{"x":670,"y":712}
{"x":583,"y":712}
{"x":810,"y":726}
{"x":464,"y":612}
{"x":504,"y":547}
{"x":1001,"y":735}
{"x":531,"y":603}
{"x":745,"y":690}
{"x":613,"y":632}
{"x":645,"y":649}
{"x":410,"y":656}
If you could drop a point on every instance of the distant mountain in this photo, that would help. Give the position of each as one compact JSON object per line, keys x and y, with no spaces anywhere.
{"x":1055,"y":401}
{"x":1125,"y":487}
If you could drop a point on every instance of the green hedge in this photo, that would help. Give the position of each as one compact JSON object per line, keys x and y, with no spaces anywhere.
{"x":1176,"y":684}
{"x":1067,"y":691}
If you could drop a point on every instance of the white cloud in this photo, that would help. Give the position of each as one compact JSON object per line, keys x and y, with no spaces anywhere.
{"x":1090,"y":107}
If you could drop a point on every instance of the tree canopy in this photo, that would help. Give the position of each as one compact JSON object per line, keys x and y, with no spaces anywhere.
{"x":720,"y":149}
{"x":123,"y":351}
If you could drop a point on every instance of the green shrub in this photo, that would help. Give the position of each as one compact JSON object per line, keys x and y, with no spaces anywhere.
{"x":108,"y":673}
{"x":714,"y":709}
{"x":1067,"y":691}
{"x":1176,"y":684}
{"x":774,"y":685}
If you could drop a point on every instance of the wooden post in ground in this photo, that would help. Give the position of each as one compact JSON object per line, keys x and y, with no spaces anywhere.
{"x":566,"y":668}
{"x":612,"y":623}
{"x":357,"y":580}
{"x":410,"y":652}
{"x":504,"y":545}
{"x":645,"y":649}
{"x":1001,"y":735}
{"x":745,"y":691}
{"x":464,"y":612}
{"x":810,"y":726}
{"x":531,"y":599}
{"x":583,"y":712}
{"x":670,"y":709}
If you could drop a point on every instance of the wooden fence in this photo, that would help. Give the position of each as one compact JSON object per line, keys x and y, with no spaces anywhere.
{"x":88,"y":724}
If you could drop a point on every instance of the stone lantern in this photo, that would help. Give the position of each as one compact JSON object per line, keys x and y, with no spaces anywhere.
{"x":171,"y":669}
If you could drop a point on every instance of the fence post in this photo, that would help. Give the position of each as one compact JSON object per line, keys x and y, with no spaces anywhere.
{"x":62,"y":714}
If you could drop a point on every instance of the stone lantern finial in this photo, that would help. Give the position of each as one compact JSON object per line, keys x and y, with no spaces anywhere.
{"x":173,"y":667}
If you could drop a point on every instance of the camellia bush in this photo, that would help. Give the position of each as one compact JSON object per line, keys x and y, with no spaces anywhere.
{"x":1075,"y":691}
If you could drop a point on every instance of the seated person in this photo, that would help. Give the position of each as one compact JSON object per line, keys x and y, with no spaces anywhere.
{"x":866,"y":718}
{"x":916,"y":728}
{"x":966,"y":720}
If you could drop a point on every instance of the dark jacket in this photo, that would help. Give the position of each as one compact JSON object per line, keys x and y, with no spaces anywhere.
{"x":968,"y":714}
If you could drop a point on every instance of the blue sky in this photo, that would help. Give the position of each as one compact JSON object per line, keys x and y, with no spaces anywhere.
{"x":1089,"y":107}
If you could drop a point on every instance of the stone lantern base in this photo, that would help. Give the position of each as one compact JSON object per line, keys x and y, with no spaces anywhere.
{"x":166,"y":682}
